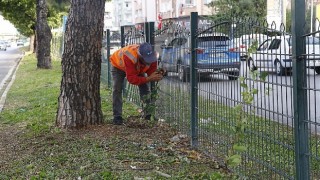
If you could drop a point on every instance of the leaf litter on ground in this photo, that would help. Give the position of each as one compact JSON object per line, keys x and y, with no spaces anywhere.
{"x":138,"y":149}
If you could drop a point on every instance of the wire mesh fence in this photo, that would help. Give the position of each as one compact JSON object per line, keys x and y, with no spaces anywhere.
{"x":234,"y":83}
{"x":57,"y":44}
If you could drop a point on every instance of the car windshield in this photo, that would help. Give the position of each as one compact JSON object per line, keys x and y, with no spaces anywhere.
{"x":177,"y":42}
{"x":312,"y":40}
{"x":213,"y":41}
{"x":309,"y":40}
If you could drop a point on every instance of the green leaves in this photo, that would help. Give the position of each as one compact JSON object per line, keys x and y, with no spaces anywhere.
{"x":227,"y":9}
{"x":248,"y":96}
{"x":22,"y":14}
{"x":239,"y":148}
{"x":234,"y":160}
{"x":263,"y":76}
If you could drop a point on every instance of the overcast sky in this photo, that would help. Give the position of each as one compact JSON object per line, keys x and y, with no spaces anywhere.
{"x":6,"y":26}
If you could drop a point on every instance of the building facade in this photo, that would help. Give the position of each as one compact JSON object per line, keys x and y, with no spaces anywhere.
{"x":130,"y":12}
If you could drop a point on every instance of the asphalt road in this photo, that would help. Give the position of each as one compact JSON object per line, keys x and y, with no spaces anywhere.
{"x":8,"y":63}
{"x":275,"y":95}
{"x":274,"y":99}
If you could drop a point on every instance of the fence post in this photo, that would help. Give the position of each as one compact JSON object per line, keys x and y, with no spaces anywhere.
{"x":123,"y":38}
{"x":64,"y":26}
{"x":150,"y":39}
{"x":108,"y":59}
{"x":123,"y":43}
{"x":146,"y":32}
{"x":193,"y":79}
{"x":151,"y":32}
{"x":299,"y":92}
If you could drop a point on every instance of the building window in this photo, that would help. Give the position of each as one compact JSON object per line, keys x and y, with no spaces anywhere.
{"x":207,"y":1}
{"x":127,"y":4}
{"x":107,"y":15}
{"x":189,"y":2}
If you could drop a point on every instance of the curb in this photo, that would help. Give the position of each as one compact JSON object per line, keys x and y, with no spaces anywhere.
{"x":11,"y":74}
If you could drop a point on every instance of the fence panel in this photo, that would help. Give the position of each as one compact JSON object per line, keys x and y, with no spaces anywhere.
{"x":311,"y":76}
{"x":244,"y":88}
{"x":57,"y":44}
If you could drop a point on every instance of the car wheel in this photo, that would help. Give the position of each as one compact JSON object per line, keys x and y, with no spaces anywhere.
{"x":243,"y":57}
{"x":280,"y":70}
{"x":251,"y":65}
{"x":182,"y":73}
{"x":317,"y":70}
{"x":233,"y":76}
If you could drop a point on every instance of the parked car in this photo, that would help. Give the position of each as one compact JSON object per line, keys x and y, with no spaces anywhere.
{"x":213,"y":56}
{"x":274,"y":54}
{"x":3,"y":46}
{"x":20,"y":43}
{"x":243,"y":43}
{"x":8,"y":43}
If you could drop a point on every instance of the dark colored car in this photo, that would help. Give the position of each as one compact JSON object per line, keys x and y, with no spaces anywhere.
{"x":213,"y":56}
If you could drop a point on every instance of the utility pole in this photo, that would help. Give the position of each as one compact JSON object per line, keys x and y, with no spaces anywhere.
{"x":311,"y":18}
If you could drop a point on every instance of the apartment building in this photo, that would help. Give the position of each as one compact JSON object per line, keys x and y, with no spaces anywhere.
{"x":109,"y":18}
{"x":123,"y":13}
{"x":129,"y":12}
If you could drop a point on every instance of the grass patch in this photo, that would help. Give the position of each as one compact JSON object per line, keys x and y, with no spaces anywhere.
{"x":31,"y":147}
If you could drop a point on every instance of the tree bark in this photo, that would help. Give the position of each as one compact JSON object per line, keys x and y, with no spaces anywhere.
{"x":79,"y":103}
{"x":43,"y":36}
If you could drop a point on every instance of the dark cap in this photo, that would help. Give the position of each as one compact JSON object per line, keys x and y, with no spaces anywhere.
{"x":146,"y":52}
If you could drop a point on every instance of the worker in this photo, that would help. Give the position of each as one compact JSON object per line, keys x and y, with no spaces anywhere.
{"x":138,"y":63}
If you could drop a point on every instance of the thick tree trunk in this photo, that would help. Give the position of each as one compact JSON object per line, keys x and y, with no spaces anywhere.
{"x":79,"y":102}
{"x":43,"y":36}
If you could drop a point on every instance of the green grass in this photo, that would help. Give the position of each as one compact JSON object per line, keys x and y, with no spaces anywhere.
{"x":31,"y":147}
{"x":32,"y":98}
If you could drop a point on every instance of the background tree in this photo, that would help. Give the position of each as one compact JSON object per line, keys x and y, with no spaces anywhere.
{"x":228,"y":9}
{"x":79,"y":103}
{"x":288,"y":20}
{"x":43,"y":36}
{"x":23,"y":15}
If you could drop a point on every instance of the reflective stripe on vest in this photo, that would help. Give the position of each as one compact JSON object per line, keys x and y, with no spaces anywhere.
{"x":131,"y":52}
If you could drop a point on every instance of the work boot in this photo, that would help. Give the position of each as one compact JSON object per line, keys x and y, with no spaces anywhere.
{"x":148,"y":117}
{"x":117,"y":120}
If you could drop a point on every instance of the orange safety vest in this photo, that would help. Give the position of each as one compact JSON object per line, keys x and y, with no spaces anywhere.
{"x":131,"y":52}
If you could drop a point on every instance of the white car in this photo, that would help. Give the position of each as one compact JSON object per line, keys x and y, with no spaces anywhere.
{"x":20,"y":43}
{"x":243,"y":43}
{"x":3,"y":46}
{"x":275,"y":54}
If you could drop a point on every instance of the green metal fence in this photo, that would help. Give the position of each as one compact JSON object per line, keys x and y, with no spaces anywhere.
{"x":57,"y":44}
{"x":241,"y":82}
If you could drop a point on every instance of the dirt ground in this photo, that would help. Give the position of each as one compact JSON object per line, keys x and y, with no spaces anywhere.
{"x":168,"y":148}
